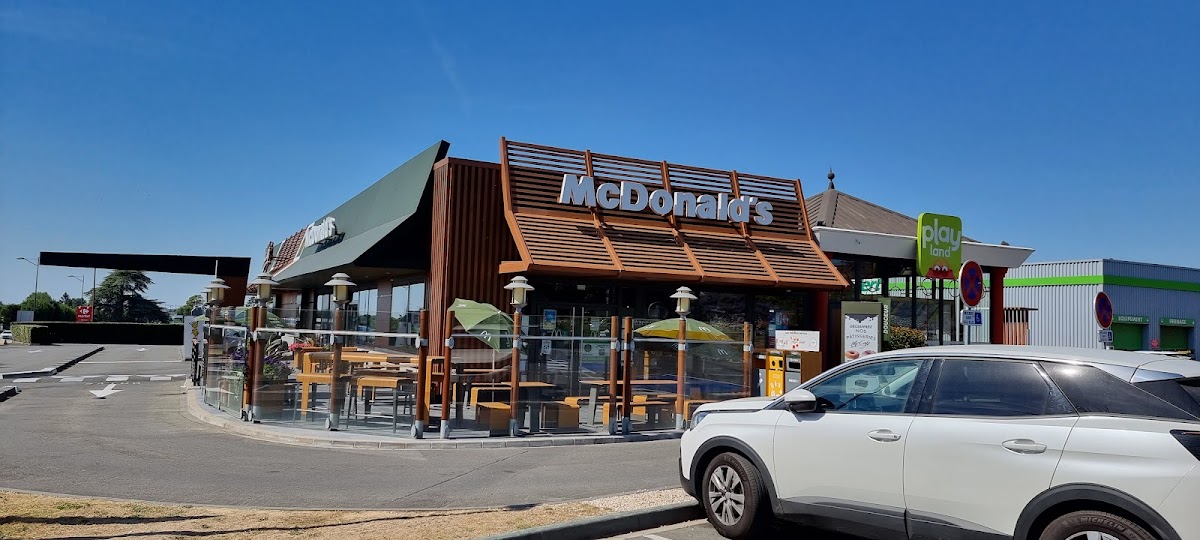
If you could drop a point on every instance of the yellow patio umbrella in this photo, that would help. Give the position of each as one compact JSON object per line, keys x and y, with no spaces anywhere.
{"x":696,"y":330}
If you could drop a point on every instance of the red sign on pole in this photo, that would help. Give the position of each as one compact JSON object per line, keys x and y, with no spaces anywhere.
{"x":83,"y":314}
{"x":970,"y":283}
{"x":1104,"y":310}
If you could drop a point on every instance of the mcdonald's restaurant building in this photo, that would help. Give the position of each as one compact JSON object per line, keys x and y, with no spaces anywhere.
{"x":596,"y":235}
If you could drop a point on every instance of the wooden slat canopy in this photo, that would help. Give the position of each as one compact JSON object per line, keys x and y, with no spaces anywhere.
{"x":558,"y":238}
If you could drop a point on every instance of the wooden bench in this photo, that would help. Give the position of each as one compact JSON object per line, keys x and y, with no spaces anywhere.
{"x":560,"y":414}
{"x":492,"y":416}
{"x":489,"y":392}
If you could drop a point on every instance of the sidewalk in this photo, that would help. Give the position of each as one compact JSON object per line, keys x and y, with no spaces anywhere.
{"x":41,"y":360}
{"x":345,"y":439}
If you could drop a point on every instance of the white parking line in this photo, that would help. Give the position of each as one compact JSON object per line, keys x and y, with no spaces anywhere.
{"x":117,"y":378}
{"x":71,"y":379}
{"x":655,"y":537}
{"x":159,"y":378}
{"x":27,"y":379}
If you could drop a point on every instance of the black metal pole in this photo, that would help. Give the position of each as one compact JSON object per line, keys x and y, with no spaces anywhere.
{"x":912,"y":295}
{"x":857,"y":282}
{"x":941,"y":292}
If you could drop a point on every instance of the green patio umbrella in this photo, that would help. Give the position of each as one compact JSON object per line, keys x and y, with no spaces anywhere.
{"x":484,"y":321}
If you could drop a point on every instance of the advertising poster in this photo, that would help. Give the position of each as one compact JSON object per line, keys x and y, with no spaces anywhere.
{"x":193,"y":332}
{"x":862,"y":329}
{"x":798,"y":340}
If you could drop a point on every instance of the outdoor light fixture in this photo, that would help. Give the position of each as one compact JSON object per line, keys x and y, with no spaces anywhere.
{"x":82,"y":284}
{"x":520,"y":287}
{"x":264,"y":283}
{"x":683,"y":300}
{"x":217,"y":289}
{"x":341,"y":287}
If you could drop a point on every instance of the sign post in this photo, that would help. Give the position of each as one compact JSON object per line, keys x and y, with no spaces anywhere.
{"x":970,"y":285}
{"x":1103,"y":307}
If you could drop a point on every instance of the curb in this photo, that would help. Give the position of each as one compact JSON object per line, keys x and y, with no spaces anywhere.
{"x":8,"y":391}
{"x":613,"y":525}
{"x":51,"y":370}
{"x":316,"y":438}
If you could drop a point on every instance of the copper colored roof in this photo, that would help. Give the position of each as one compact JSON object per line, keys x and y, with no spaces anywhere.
{"x":556,"y":238}
{"x":839,"y":210}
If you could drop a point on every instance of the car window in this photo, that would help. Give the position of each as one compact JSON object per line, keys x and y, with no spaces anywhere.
{"x":995,"y":388}
{"x":1092,"y":390}
{"x":881,"y":387}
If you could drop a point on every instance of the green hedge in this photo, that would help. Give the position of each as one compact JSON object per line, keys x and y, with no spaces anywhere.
{"x":112,"y":333}
{"x":900,"y":337}
{"x":31,"y":333}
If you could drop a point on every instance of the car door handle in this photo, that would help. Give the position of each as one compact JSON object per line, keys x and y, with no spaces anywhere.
{"x":884,"y":435}
{"x":1024,"y":446}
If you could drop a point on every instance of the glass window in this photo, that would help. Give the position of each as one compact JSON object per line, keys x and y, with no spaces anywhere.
{"x":416,"y":297}
{"x":1093,"y":390}
{"x":881,"y":387}
{"x":995,"y":388}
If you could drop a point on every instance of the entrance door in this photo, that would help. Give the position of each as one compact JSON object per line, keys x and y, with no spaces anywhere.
{"x":1175,"y":338}
{"x":1128,"y":337}
{"x":574,"y":344}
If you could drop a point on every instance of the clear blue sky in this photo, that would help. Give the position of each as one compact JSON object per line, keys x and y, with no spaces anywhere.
{"x":214,"y":127}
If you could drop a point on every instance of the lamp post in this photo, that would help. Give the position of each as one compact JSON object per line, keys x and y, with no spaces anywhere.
{"x":520,"y":288}
{"x":341,"y":294}
{"x":37,"y":267}
{"x":216,"y":296}
{"x":683,"y":304}
{"x":262,"y":284}
{"x":82,"y":284}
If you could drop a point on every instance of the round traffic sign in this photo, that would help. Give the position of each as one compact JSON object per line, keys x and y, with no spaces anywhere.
{"x":970,"y":283}
{"x":1154,"y":344}
{"x":1104,"y":310}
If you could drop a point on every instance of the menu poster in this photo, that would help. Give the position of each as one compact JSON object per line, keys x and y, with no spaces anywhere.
{"x":862,"y":329}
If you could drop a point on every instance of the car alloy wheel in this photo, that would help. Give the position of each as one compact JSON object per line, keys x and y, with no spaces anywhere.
{"x":727,"y":495}
{"x":1093,"y":535}
{"x":1094,"y":525}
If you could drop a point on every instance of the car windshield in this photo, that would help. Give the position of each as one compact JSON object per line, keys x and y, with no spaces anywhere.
{"x":1182,"y":393}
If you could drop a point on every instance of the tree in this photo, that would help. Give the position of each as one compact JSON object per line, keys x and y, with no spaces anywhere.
{"x":43,"y":307}
{"x":119,"y":299}
{"x":8,"y":313}
{"x":70,"y":302}
{"x":187,"y":307}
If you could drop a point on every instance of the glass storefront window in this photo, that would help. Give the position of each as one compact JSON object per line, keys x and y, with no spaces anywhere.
{"x":773,"y":313}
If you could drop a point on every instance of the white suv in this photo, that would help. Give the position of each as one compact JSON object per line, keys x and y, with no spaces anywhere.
{"x":973,"y":442}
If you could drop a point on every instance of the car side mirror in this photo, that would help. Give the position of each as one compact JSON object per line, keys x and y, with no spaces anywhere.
{"x":800,"y":401}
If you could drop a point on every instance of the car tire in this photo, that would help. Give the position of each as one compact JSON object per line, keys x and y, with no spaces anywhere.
{"x":728,"y":478}
{"x":1077,"y":525}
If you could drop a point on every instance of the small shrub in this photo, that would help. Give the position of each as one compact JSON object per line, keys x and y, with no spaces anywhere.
{"x":32,"y":334}
{"x":903,"y":338}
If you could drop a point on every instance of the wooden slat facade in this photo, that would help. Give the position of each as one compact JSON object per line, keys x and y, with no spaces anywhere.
{"x":470,"y":237}
{"x":556,"y":238}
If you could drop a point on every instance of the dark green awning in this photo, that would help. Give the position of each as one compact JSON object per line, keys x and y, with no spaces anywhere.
{"x":369,"y":217}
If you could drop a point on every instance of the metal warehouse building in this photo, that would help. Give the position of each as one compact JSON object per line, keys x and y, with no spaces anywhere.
{"x":1156,"y":306}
